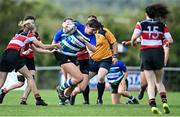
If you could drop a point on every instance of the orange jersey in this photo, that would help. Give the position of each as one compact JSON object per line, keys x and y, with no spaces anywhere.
{"x":103,"y":49}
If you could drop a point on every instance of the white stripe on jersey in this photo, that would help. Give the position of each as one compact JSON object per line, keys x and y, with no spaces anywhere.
{"x":69,"y":46}
{"x":113,"y":75}
{"x":66,"y":53}
{"x":18,"y":42}
{"x":137,"y":31}
{"x":29,"y":39}
{"x":151,"y":42}
{"x":76,"y":41}
{"x":152,"y":32}
{"x":115,"y":80}
{"x":167,"y":35}
{"x":83,"y":36}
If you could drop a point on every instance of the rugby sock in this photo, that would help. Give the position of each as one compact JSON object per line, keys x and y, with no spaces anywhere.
{"x":86,"y":94}
{"x":67,"y":84}
{"x":163,"y":97}
{"x":152,"y":102}
{"x":37,"y":97}
{"x":100,"y":87}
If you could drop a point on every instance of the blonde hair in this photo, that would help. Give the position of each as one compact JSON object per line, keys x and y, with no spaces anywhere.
{"x":22,"y":23}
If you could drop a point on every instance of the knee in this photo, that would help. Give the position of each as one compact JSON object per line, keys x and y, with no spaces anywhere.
{"x":121,"y":92}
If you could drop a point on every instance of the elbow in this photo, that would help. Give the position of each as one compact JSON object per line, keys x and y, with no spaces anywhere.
{"x":171,"y":41}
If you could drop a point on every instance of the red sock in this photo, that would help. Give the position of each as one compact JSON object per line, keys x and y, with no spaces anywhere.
{"x":37,"y":97}
{"x":152,"y":102}
{"x":163,"y":97}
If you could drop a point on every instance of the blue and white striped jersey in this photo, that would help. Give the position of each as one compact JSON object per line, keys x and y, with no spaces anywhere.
{"x":116,"y":72}
{"x":71,"y":44}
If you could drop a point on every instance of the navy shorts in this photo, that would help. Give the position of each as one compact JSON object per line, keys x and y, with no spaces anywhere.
{"x":62,"y":58}
{"x":115,"y":86}
{"x":84,"y":66}
{"x":152,"y":59}
{"x":95,"y":65}
{"x":11,"y":60}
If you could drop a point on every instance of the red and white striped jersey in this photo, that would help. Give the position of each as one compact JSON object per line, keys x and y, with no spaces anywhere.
{"x":19,"y":41}
{"x":152,"y":32}
{"x":28,"y":48}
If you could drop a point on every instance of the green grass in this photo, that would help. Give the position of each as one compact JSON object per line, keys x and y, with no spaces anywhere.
{"x":11,"y":107}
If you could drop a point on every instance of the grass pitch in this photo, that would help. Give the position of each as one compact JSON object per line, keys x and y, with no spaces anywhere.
{"x":11,"y":106}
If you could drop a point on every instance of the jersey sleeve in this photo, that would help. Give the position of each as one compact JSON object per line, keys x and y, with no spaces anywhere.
{"x":111,"y":38}
{"x":166,"y":32}
{"x":57,"y":36}
{"x":122,"y":66}
{"x":93,"y":40}
{"x":138,"y":28}
{"x":31,"y":39}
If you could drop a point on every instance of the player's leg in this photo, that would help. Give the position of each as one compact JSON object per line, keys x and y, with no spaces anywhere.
{"x":115,"y":97}
{"x":77,"y":77}
{"x":14,"y":85}
{"x":162,"y":91}
{"x":104,"y":66}
{"x":151,"y":79}
{"x":143,"y":85}
{"x":85,"y":89}
{"x":80,"y":88}
{"x":31,"y":67}
{"x":25,"y":72}
{"x":101,"y":84}
{"x":27,"y":90}
{"x":123,"y":90}
{"x":3,"y":76}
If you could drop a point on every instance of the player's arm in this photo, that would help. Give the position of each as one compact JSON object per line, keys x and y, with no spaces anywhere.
{"x":166,"y":51}
{"x":89,"y":46}
{"x":136,"y":34}
{"x":40,"y":50}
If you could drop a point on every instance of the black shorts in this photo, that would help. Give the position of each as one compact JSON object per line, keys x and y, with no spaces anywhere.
{"x":30,"y":63}
{"x":141,"y":67}
{"x":115,"y":86}
{"x":20,"y":78}
{"x":84,"y":66}
{"x":95,"y":65}
{"x":62,"y":58}
{"x":152,"y":59}
{"x":11,"y":60}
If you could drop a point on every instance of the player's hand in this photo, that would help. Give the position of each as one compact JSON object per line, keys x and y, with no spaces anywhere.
{"x":26,"y":52}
